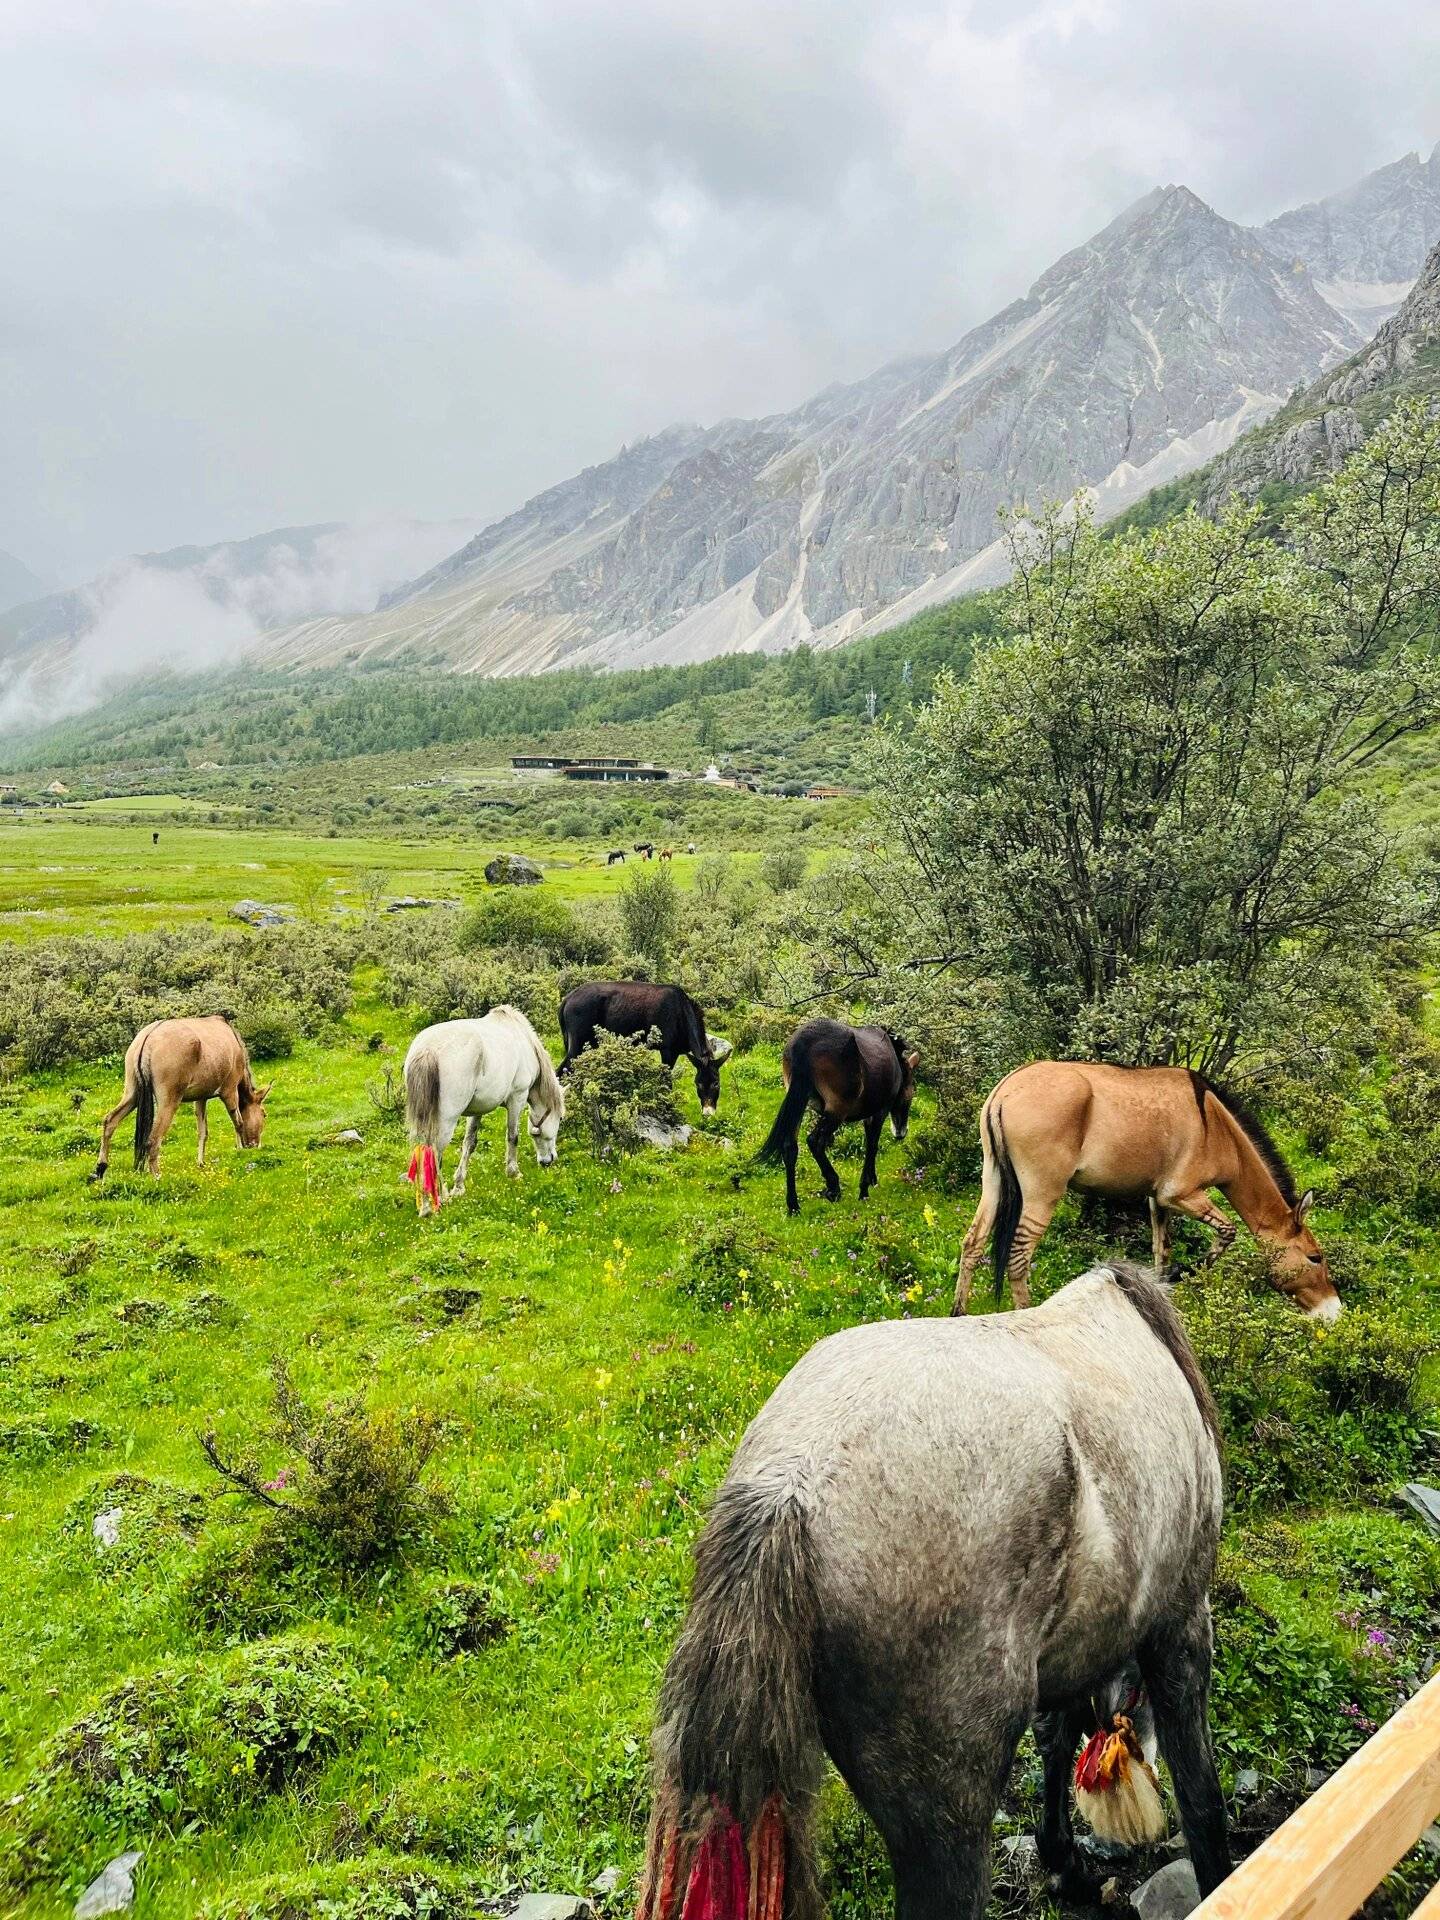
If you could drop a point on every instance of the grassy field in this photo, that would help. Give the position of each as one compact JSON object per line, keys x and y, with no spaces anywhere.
{"x":87,"y":875}
{"x":469,"y":1715}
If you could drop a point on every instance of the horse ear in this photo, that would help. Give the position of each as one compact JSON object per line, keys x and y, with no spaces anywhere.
{"x":720,"y":1049}
{"x":261,"y":1094}
{"x":912,"y":1060}
{"x":1303,"y":1206}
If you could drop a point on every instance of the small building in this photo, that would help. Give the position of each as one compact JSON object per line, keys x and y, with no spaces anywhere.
{"x":540,"y":762}
{"x":826,"y":793}
{"x":58,"y":789}
{"x":612,"y":770}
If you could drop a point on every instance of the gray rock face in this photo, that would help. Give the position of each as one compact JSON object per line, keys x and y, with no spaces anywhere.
{"x":111,"y":1891}
{"x":552,"y":1906}
{"x":513,"y":870}
{"x":1365,"y":246}
{"x":105,"y":1527}
{"x":1134,"y":358}
{"x":1425,"y":1501}
{"x":1319,"y":428}
{"x":1169,"y":1894}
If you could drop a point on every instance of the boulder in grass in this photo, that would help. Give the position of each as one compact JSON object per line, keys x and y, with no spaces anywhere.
{"x":255,"y":913}
{"x":1170,"y":1894}
{"x":513,"y":870}
{"x":111,"y":1891}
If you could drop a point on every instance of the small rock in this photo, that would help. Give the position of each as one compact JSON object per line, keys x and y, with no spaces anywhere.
{"x":605,"y":1883}
{"x":1247,"y":1783}
{"x":106,"y":1529}
{"x":1110,"y":1894}
{"x":1021,"y":1851}
{"x":1430,"y":1840}
{"x":255,"y":913}
{"x":655,"y":1134}
{"x":111,"y":1891}
{"x":553,"y":1906}
{"x":513,"y":870}
{"x":1314,"y":1779}
{"x":350,"y":1137}
{"x":408,"y":902}
{"x":1425,"y":1501}
{"x":1169,"y":1894}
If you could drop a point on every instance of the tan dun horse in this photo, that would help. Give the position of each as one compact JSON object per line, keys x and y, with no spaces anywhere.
{"x":174,"y":1060}
{"x":1164,"y":1132}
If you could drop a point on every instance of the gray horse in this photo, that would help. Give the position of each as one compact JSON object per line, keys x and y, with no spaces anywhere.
{"x":934,"y":1534}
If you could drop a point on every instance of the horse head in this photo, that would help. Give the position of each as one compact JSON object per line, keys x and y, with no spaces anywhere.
{"x":1299,"y":1268}
{"x":544,"y":1121}
{"x":908,"y":1060}
{"x":252,"y":1113}
{"x":707,"y":1071}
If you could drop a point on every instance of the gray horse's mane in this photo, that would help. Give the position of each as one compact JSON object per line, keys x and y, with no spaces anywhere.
{"x":551,"y":1090}
{"x":1155,"y":1308}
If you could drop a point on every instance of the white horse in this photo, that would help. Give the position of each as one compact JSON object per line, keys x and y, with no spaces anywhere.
{"x":471,"y":1067}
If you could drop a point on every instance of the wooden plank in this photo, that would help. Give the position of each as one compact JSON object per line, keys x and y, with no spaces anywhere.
{"x":1333,"y":1852}
{"x":1429,"y":1907}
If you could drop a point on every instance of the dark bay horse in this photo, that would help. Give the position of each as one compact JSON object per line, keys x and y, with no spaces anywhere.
{"x":935,"y":1534}
{"x":171,"y":1061}
{"x":845,"y":1073}
{"x":1160,"y":1131}
{"x":634,"y":1009}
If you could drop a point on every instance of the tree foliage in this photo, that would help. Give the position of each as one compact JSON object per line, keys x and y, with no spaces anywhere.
{"x":1139,"y":828}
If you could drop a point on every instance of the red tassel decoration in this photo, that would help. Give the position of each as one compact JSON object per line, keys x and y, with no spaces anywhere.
{"x":1116,"y":1789}
{"x":425,"y":1163}
{"x":719,"y":1886}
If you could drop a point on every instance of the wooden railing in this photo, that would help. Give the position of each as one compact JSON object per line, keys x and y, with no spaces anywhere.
{"x":1333,"y":1852}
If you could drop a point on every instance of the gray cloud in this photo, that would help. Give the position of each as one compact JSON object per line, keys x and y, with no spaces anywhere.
{"x":297,"y":261}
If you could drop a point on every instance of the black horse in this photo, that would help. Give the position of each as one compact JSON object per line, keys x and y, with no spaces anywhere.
{"x":845,"y":1073}
{"x":636,"y":1008}
{"x":616,"y":857}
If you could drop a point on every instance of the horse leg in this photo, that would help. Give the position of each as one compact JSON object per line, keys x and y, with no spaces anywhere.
{"x":165,"y":1111}
{"x":931,"y":1779}
{"x":872,"y":1142}
{"x":202,"y":1130}
{"x":1159,"y":1237}
{"x":791,"y":1153}
{"x":1201,"y":1207}
{"x":1057,"y":1735}
{"x":972,"y":1248}
{"x":512,"y":1135}
{"x":1175,"y":1664}
{"x":821,"y":1136}
{"x":472,"y":1133}
{"x":107,"y":1131}
{"x":1034,"y":1219}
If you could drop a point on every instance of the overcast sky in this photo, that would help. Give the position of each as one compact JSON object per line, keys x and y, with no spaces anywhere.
{"x":265,"y":262}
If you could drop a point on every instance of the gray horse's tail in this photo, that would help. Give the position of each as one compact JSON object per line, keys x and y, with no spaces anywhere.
{"x":736,"y":1744}
{"x":1010,"y":1204}
{"x":422,"y":1098}
{"x":144,"y":1109}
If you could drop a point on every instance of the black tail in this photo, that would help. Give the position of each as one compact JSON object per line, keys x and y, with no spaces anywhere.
{"x":1007,"y":1212}
{"x":798,"y":1096}
{"x":736,"y":1737}
{"x":144,"y":1110}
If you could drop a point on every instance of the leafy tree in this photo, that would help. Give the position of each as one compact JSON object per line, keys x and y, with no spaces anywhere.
{"x":650,"y":913}
{"x":1137,"y":829}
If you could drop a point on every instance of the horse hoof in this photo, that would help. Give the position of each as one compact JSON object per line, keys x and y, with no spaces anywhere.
{"x":1075,"y":1885}
{"x":832,"y":1194}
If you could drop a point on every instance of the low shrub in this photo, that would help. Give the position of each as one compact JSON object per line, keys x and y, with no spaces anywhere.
{"x":458,"y":1617}
{"x":183,"y":1743}
{"x":726,"y":1266}
{"x":615,"y":1086}
{"x":518,"y":918}
{"x":783,"y":867}
{"x":267,"y":1030}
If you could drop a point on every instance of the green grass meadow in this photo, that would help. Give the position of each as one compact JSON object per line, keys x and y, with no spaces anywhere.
{"x":594,"y":1338}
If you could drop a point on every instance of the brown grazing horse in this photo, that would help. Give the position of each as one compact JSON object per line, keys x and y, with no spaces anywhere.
{"x":845,"y":1073}
{"x":934,"y":1534}
{"x":174,"y":1060}
{"x":1162,"y":1131}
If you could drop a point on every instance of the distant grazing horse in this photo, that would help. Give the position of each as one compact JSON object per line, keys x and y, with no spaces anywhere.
{"x":845,"y":1073}
{"x":645,"y":848}
{"x":1160,"y":1131}
{"x":174,"y":1060}
{"x":636,"y":1008}
{"x":471,"y":1067}
{"x":616,"y":857}
{"x":667,"y":853}
{"x":934,"y":1534}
